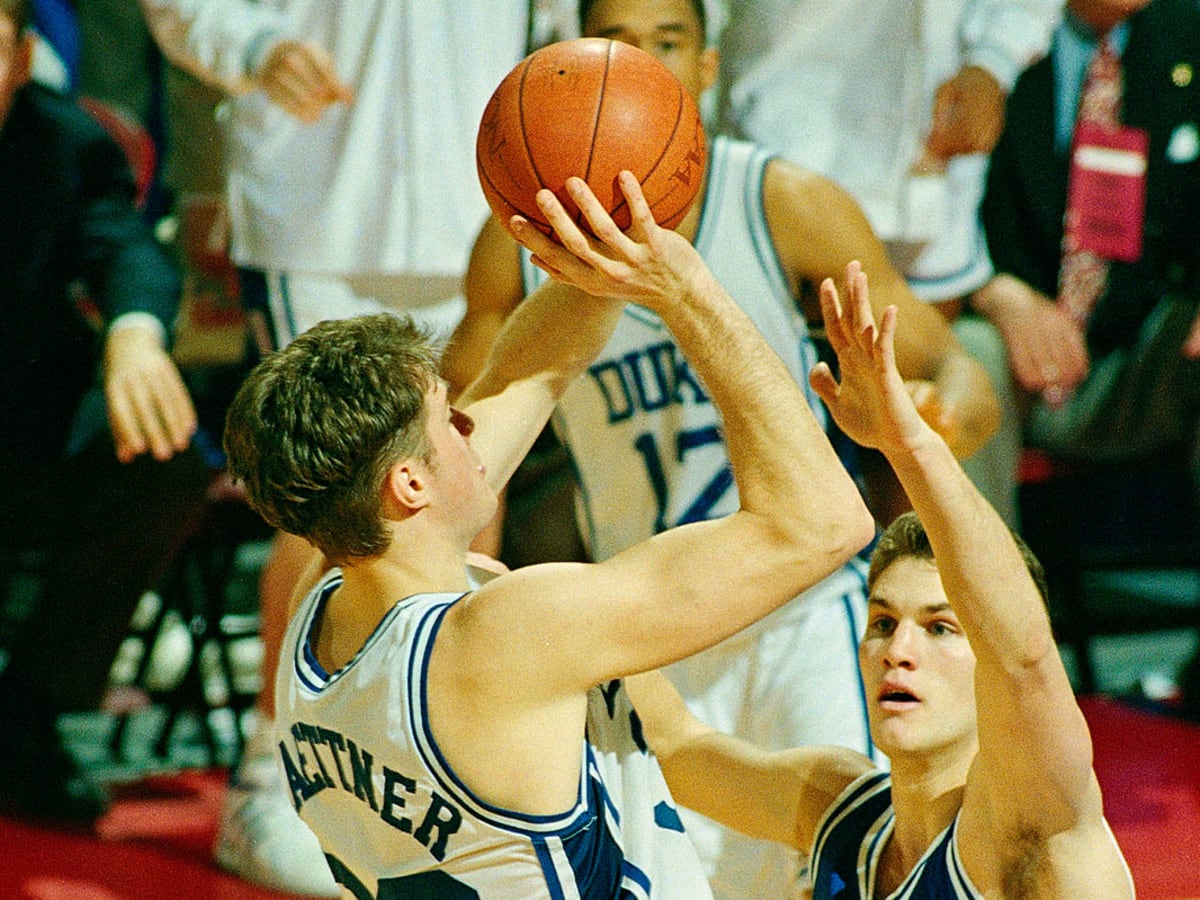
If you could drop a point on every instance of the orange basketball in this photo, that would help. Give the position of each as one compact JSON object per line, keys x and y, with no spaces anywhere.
{"x":590,"y":107}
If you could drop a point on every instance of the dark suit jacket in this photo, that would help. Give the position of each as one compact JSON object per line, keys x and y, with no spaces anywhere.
{"x":66,"y":218}
{"x":1026,"y":193}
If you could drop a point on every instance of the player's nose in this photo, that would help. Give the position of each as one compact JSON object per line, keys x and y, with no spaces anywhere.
{"x":901,"y":648}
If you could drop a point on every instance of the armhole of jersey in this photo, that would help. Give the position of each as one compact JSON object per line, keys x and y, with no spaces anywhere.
{"x":853,"y":796}
{"x":310,"y":673}
{"x":958,"y":872}
{"x":426,"y":746}
{"x":760,"y":232}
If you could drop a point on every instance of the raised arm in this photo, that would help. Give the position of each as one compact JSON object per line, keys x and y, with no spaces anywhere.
{"x":526,"y":361}
{"x":955,"y":394}
{"x":801,"y":516}
{"x":1033,"y":774}
{"x":493,"y":288}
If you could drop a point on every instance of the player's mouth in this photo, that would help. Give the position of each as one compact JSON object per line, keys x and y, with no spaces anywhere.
{"x":896,"y":697}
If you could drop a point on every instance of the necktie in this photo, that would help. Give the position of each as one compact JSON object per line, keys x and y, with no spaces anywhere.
{"x":1084,"y":274}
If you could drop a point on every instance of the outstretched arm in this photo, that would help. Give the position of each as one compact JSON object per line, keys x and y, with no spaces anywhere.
{"x":773,"y":795}
{"x":801,"y":516}
{"x":1033,"y":774}
{"x":953,"y":391}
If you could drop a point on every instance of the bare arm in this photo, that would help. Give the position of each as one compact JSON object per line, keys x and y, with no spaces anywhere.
{"x":529,"y":360}
{"x":776,"y":796}
{"x":493,"y":289}
{"x":1033,"y":774}
{"x":801,"y":515}
{"x":818,"y":229}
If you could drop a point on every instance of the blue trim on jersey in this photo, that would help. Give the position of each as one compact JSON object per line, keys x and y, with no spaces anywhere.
{"x":594,"y":776}
{"x":597,"y":861}
{"x":970,"y":275}
{"x":850,"y":843}
{"x":285,"y":299}
{"x":425,"y":634}
{"x":856,"y":629}
{"x":872,"y":783}
{"x":310,"y":657}
{"x":546,"y":861}
{"x":310,"y":673}
{"x":958,"y":875}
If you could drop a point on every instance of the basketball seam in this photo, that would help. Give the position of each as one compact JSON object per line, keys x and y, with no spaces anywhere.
{"x":596,"y":119}
{"x":535,"y":215}
{"x":658,"y":162}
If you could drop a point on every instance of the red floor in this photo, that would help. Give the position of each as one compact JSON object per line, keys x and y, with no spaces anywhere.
{"x":1149,"y":768}
{"x":155,"y":844}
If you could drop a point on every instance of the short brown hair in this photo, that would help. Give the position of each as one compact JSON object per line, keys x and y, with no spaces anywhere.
{"x":315,"y":427}
{"x":906,"y":537}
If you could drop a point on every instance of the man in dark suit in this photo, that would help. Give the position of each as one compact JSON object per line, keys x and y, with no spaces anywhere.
{"x":1091,"y":187}
{"x":1125,"y":380}
{"x":97,"y":467}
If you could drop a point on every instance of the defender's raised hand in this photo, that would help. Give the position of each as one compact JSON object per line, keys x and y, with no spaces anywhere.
{"x":871,"y":403}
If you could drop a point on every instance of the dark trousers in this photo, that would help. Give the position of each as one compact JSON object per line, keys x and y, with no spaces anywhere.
{"x":109,"y":532}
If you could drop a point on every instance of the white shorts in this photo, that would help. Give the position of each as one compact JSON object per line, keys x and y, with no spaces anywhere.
{"x":296,"y":301}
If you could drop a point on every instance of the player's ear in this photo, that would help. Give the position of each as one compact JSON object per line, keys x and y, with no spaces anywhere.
{"x":405,"y":489}
{"x":710,"y":66}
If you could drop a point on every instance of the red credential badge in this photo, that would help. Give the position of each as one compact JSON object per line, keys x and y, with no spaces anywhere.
{"x":1106,"y":193}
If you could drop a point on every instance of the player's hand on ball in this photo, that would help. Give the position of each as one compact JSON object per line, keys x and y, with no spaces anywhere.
{"x":646,"y":263}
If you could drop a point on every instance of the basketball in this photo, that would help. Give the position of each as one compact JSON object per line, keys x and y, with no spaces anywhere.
{"x":590,"y":107}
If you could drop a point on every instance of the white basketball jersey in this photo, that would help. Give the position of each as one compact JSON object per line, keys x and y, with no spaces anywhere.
{"x":395,"y":821}
{"x":663,"y":460}
{"x":646,"y":443}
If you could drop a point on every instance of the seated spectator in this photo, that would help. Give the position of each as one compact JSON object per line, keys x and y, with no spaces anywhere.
{"x":1096,"y":321}
{"x":98,"y":473}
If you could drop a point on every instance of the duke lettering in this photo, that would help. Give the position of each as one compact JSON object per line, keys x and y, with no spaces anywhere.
{"x":645,"y":381}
